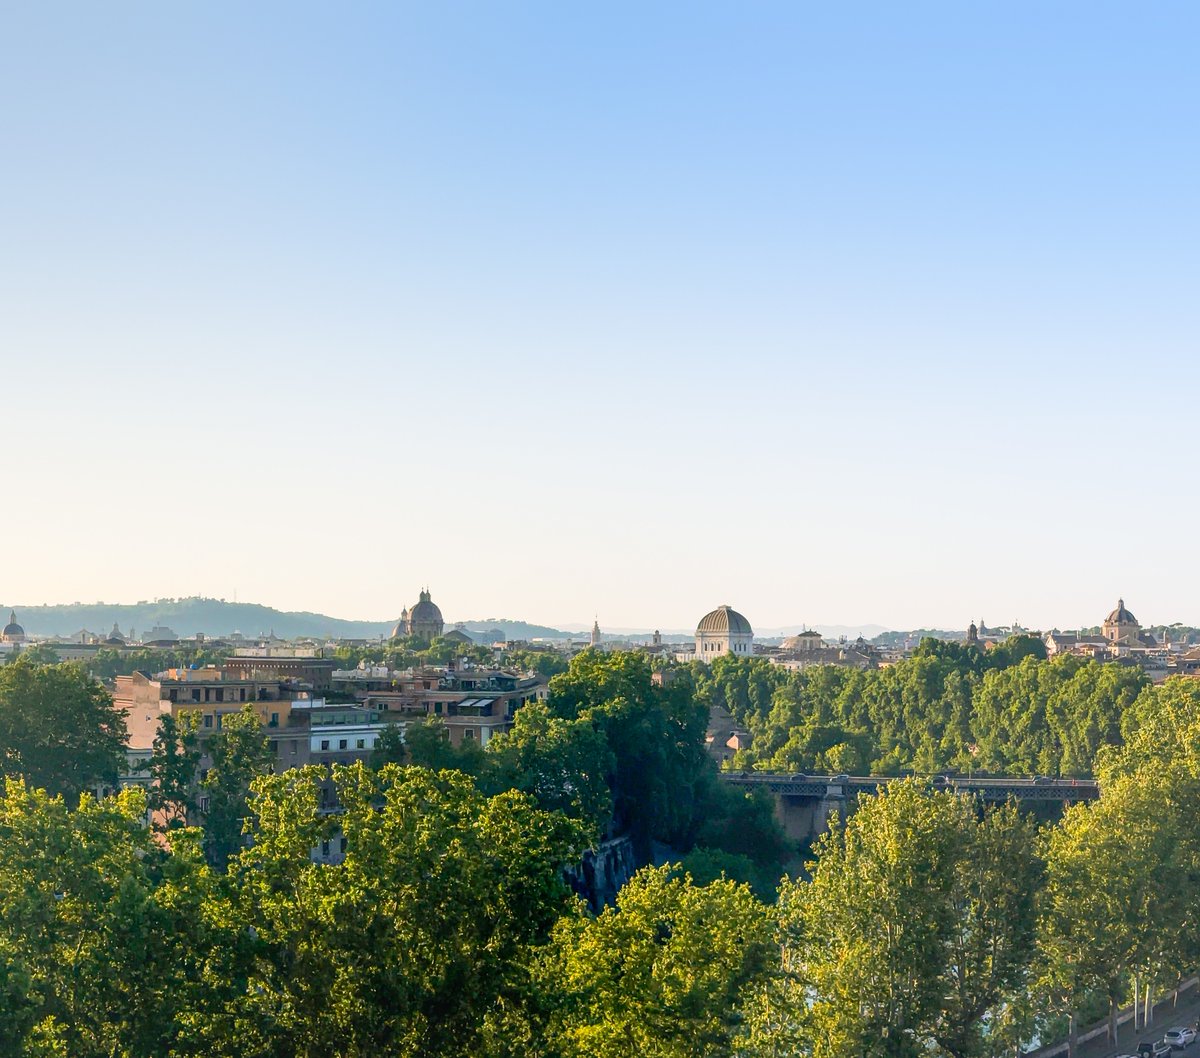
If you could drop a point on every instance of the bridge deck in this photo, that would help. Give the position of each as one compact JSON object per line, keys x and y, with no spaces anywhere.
{"x":1038,"y":789}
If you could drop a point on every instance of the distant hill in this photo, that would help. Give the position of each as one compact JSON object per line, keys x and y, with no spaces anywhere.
{"x":217,"y":617}
{"x":186,"y":617}
{"x":895,"y":639}
{"x":512,"y":629}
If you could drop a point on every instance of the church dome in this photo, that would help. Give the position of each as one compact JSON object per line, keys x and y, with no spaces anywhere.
{"x":724,"y":620}
{"x":425,"y":612}
{"x":802,"y":640}
{"x":115,"y":639}
{"x":12,"y":630}
{"x":1120,"y":616}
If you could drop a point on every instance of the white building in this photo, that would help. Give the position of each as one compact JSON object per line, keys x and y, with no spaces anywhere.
{"x":724,"y":631}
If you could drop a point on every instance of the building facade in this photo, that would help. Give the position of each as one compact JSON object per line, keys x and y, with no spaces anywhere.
{"x":723,"y":631}
{"x":1121,"y":628}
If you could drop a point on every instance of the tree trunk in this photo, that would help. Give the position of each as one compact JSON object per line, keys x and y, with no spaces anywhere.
{"x":1148,"y":1013}
{"x":1072,"y":1036}
{"x":1137,"y":991}
{"x":1112,"y":1019}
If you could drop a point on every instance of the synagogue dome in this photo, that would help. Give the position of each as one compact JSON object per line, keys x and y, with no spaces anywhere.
{"x":724,"y":620}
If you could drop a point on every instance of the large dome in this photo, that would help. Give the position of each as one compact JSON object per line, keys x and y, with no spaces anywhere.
{"x":12,"y":630}
{"x":426,"y":611}
{"x":1120,"y":616}
{"x":724,"y":620}
{"x":802,"y":640}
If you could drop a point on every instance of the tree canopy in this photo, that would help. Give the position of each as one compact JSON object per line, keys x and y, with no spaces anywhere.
{"x":59,"y":728}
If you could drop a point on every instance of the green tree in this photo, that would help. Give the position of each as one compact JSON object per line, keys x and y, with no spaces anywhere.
{"x":992,"y":939}
{"x":428,"y":744}
{"x":390,"y":747}
{"x":1119,"y":906}
{"x":239,"y":753}
{"x":420,"y":942}
{"x":59,"y":728}
{"x":561,"y":763}
{"x":655,"y":735}
{"x":96,"y":927}
{"x":917,"y":930}
{"x":173,"y":766}
{"x":664,"y":973}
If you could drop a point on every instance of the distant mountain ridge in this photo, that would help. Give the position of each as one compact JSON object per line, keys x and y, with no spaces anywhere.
{"x":218,"y":617}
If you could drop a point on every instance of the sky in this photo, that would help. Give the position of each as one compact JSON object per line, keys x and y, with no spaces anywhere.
{"x":837,"y":313}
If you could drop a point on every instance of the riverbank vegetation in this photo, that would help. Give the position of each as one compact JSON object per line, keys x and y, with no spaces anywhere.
{"x":948,"y":708}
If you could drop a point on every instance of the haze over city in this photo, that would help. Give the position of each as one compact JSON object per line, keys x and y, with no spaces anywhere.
{"x":604,"y":530}
{"x":839,"y":316}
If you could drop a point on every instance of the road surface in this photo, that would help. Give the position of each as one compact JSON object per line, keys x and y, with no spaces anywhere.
{"x":1166,"y":1016}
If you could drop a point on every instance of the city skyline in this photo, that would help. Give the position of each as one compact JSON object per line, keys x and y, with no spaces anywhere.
{"x":616,"y":628}
{"x":837,"y":315}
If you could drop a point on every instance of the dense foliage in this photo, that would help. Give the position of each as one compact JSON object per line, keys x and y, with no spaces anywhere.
{"x":58,"y":728}
{"x":947,"y":708}
{"x":621,"y":753}
{"x":924,"y":926}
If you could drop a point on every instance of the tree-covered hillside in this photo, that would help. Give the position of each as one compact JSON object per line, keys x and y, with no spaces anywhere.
{"x":950,"y":707}
{"x":219,"y":617}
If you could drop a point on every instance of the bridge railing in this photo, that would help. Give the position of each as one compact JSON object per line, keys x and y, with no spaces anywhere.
{"x":1037,"y":788}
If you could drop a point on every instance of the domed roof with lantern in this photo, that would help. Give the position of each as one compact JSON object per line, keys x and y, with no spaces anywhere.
{"x":724,"y":620}
{"x":13,"y":632}
{"x":425,"y":612}
{"x":1120,"y":616}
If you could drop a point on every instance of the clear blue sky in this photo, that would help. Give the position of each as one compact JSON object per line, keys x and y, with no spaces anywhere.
{"x":866,"y":312}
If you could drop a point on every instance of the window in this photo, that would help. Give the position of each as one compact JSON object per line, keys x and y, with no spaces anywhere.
{"x":293,"y":749}
{"x":203,"y":804}
{"x":342,"y":846}
{"x":208,"y":719}
{"x":324,"y":743}
{"x":274,"y":720}
{"x":324,"y":848}
{"x":360,"y":743}
{"x":468,"y":732}
{"x":219,"y":715}
{"x":341,"y":743}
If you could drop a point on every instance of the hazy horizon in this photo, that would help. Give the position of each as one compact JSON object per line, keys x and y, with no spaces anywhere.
{"x":879,"y":314}
{"x":581,"y":625}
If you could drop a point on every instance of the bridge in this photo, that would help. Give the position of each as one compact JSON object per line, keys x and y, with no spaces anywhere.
{"x":805,"y":803}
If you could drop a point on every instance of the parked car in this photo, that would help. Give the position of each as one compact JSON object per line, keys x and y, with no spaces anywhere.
{"x":1153,"y":1049}
{"x":1180,"y":1037}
